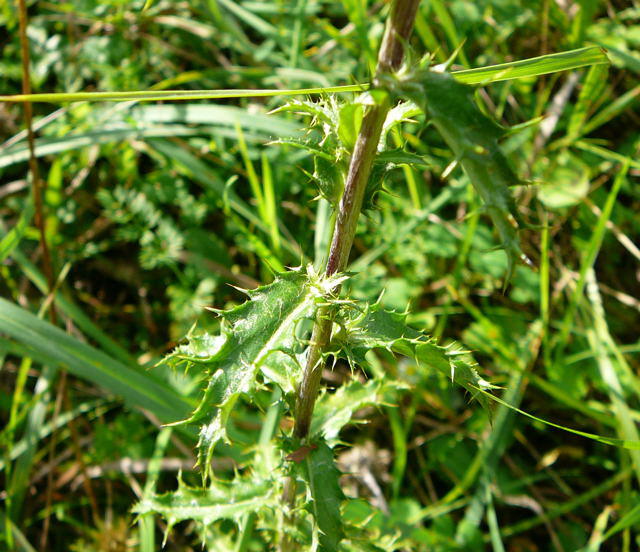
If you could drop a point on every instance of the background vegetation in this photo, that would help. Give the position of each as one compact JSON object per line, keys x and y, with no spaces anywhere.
{"x":153,"y":209}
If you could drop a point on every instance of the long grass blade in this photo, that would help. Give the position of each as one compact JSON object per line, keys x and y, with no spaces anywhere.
{"x":156,"y":95}
{"x":533,"y":67}
{"x":592,"y":250}
{"x":73,"y":311}
{"x":628,"y":444}
{"x":138,"y":389}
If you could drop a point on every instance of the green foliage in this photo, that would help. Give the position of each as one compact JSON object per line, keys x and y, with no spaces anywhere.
{"x":333,"y":411}
{"x":258,"y":336}
{"x":363,"y":330}
{"x":474,"y":139}
{"x":321,"y":475}
{"x":12,"y":238}
{"x":261,"y":335}
{"x":219,"y":500}
{"x":332,"y":136}
{"x":51,"y":345}
{"x":151,"y":210}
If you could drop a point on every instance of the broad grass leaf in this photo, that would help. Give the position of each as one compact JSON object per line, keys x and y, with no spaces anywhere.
{"x":138,"y":388}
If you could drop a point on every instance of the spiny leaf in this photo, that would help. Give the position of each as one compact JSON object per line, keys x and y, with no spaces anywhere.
{"x":323,"y":111}
{"x":330,"y":179}
{"x":220,"y":500}
{"x":257,"y":335}
{"x":334,"y":410}
{"x":474,"y":139}
{"x":375,"y":328}
{"x":322,"y":475}
{"x":306,"y":144}
{"x":383,"y":164}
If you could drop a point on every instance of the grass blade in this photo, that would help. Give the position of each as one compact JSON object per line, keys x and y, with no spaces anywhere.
{"x":630,"y":519}
{"x":138,"y":389}
{"x":567,"y":506}
{"x":533,"y":67}
{"x":627,"y":444}
{"x":599,"y":339}
{"x":217,"y":115}
{"x":51,"y":146}
{"x":12,"y":238}
{"x":592,"y":250}
{"x":73,"y":311}
{"x":189,"y":164}
{"x":147,"y":523}
{"x":594,"y":81}
{"x":250,"y":19}
{"x":157,"y":95}
{"x":18,"y":474}
{"x":449,"y":28}
{"x":612,"y":110}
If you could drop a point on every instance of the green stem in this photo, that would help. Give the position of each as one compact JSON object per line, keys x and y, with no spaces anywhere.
{"x":399,"y":26}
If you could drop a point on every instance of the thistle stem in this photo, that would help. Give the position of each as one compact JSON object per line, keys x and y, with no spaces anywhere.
{"x":399,"y":26}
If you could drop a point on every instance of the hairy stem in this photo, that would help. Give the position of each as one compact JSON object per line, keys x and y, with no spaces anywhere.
{"x":399,"y":26}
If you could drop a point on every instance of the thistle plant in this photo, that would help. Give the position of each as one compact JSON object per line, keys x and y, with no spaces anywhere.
{"x":261,"y":341}
{"x":264,"y":342}
{"x":288,"y":333}
{"x":293,"y":329}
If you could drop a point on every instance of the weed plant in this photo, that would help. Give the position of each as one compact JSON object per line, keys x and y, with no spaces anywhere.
{"x":426,"y":215}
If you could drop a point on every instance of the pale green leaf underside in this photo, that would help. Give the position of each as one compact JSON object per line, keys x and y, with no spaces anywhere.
{"x":533,"y":67}
{"x":259,"y":335}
